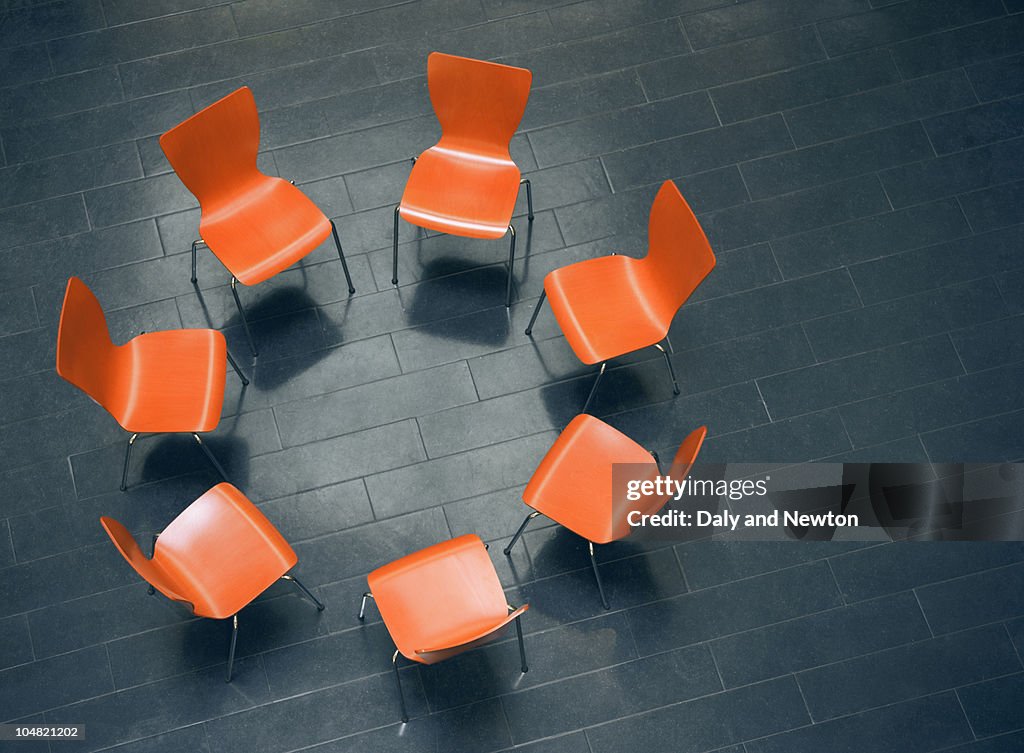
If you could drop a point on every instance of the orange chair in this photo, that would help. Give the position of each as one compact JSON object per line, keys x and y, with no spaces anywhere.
{"x":218,"y":555}
{"x":610,"y":306}
{"x":467,"y":183}
{"x":158,"y":382}
{"x":575,"y":487}
{"x":255,"y":224}
{"x":441,"y":601}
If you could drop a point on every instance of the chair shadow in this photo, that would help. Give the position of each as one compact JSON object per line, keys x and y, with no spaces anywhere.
{"x":173,"y":455}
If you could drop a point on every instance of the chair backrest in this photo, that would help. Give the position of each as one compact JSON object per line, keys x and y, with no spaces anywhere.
{"x":214,"y":151}
{"x":149,"y":570}
{"x":679,"y":254}
{"x":84,"y":348}
{"x":687,"y":453}
{"x":478,"y":104}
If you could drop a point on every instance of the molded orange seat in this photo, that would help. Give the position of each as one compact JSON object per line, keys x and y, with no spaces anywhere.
{"x":467,"y":183}
{"x":576,"y":484}
{"x":218,"y":555}
{"x":170,"y":381}
{"x":441,"y":601}
{"x":256,"y":224}
{"x":610,"y":306}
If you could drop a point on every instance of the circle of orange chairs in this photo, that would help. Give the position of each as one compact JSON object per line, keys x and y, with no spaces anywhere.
{"x":576,"y":486}
{"x":467,"y":184}
{"x":256,"y":224}
{"x":218,"y":555}
{"x":158,"y":382}
{"x":613,"y":305}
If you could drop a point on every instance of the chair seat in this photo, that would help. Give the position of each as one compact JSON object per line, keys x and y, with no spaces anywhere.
{"x":574,"y":483}
{"x":461,"y":193}
{"x":221,"y":552}
{"x":443,"y":596}
{"x":265,"y":228}
{"x":603,"y":307}
{"x":172,"y":381}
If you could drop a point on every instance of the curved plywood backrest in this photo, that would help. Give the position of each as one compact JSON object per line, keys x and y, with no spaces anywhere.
{"x":84,"y":348}
{"x":687,"y":453}
{"x":144,"y":566}
{"x":478,"y":104}
{"x":679,"y":252}
{"x":214,"y":151}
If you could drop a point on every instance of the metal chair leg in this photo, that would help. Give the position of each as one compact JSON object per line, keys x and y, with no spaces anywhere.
{"x":238,"y":371}
{"x":594,"y":388}
{"x":210,"y":456}
{"x":522,"y":648}
{"x":127,"y":459}
{"x":597,"y":575}
{"x":241,"y":312}
{"x":529,"y":197}
{"x":398,"y":681}
{"x":231,"y":651}
{"x":195,"y":244}
{"x":151,"y":590}
{"x":511,"y":258}
{"x":362,"y":605}
{"x":671,"y":370}
{"x":309,"y":594}
{"x":519,"y":533}
{"x":536,"y":312}
{"x":394,"y":261}
{"x":341,"y":255}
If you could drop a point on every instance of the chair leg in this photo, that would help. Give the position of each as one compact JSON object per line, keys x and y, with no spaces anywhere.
{"x":511,"y":258}
{"x":306,"y":591}
{"x":522,"y":648}
{"x":362,"y":605}
{"x":127,"y":459}
{"x":241,"y":312}
{"x":195,"y":245}
{"x":536,"y":311}
{"x":597,"y":575}
{"x":231,"y":651}
{"x":593,"y":389}
{"x":152,"y":553}
{"x":398,"y":681}
{"x":210,"y":456}
{"x":529,"y":197}
{"x":341,"y":255}
{"x":238,"y":371}
{"x":671,"y":370}
{"x":394,"y":260}
{"x":519,"y":533}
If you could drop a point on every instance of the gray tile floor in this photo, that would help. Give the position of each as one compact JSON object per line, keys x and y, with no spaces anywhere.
{"x":859,"y":172}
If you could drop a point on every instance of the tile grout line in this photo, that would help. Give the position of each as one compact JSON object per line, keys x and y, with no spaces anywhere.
{"x":970,"y":726}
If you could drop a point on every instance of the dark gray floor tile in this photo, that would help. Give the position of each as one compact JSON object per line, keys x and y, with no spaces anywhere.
{"x":901,"y":21}
{"x":987,"y":440}
{"x":888,"y":569}
{"x":468,"y":474}
{"x":938,"y":721}
{"x":929,"y":313}
{"x":905,"y":450}
{"x":939,"y":266}
{"x":954,"y":173}
{"x":801,"y":439}
{"x":995,"y":207}
{"x":708,"y":723}
{"x":18,"y":312}
{"x":321,"y":511}
{"x":262,"y":16}
{"x":995,"y":706}
{"x":46,"y":684}
{"x":15,"y":642}
{"x":598,"y":16}
{"x":934,"y":406}
{"x":126,"y":11}
{"x":113,"y":205}
{"x":191,"y":738}
{"x":697,"y":152}
{"x":869,"y":238}
{"x":976,"y":126}
{"x":907,"y":672}
{"x":990,"y":344}
{"x":36,"y":486}
{"x":733,"y":607}
{"x":951,"y":49}
{"x":974,"y":600}
{"x":996,"y":79}
{"x":652,"y":682}
{"x":819,"y":639}
{"x":59,"y":96}
{"x":35,"y":181}
{"x":24,"y":64}
{"x":42,"y":221}
{"x":32,"y":22}
{"x":804,"y":86}
{"x":836,"y":160}
{"x":881,"y":107}
{"x":490,"y":516}
{"x":747,"y":59}
{"x":723,"y":25}
{"x":1011,"y":286}
{"x":581,"y":98}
